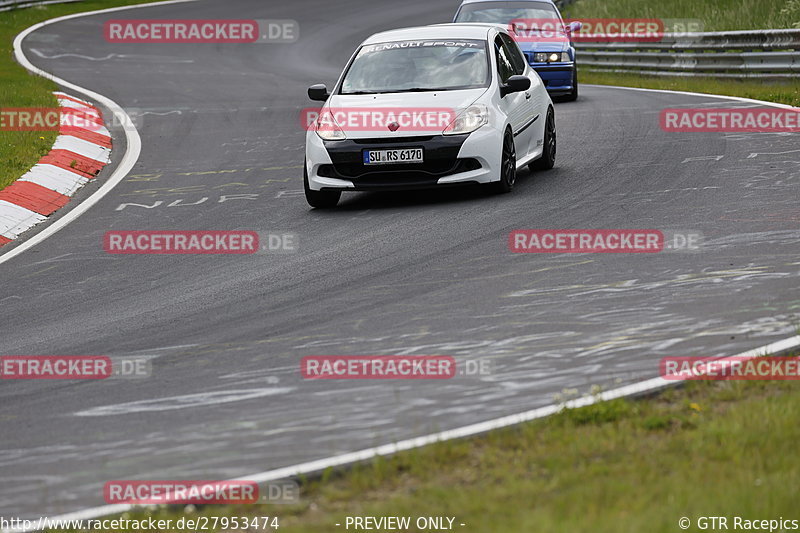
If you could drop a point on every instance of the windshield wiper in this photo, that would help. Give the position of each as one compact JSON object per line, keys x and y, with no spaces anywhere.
{"x":362,"y":92}
{"x":420,"y":90}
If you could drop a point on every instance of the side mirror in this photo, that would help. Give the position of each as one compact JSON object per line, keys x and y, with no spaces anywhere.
{"x":515,"y":84}
{"x":574,"y":26}
{"x":318,"y":92}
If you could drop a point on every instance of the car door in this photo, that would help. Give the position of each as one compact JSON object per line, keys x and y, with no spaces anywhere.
{"x":514,"y":105}
{"x":530,"y":100}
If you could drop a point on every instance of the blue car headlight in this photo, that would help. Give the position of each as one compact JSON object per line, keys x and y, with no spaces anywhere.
{"x":551,"y":57}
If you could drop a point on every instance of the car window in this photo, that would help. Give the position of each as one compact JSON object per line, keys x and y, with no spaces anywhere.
{"x":505,"y":12}
{"x":399,"y":66}
{"x":514,"y":53}
{"x":505,"y":68}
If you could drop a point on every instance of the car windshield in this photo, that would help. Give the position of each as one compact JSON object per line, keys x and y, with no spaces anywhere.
{"x":411,"y":66}
{"x":507,"y":12}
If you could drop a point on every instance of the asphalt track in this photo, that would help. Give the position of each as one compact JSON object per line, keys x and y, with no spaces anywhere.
{"x":413,"y":273}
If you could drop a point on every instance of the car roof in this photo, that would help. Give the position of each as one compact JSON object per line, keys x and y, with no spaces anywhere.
{"x":464,"y":2}
{"x":436,"y":31}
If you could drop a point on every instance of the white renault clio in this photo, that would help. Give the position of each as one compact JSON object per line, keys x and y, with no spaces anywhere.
{"x":429,"y":107}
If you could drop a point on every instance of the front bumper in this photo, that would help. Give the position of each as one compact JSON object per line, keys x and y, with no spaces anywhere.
{"x":557,"y":77}
{"x":448,"y":160}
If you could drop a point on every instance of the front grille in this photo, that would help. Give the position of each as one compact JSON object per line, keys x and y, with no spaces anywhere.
{"x":400,"y":178}
{"x":440,"y":157}
{"x":434,"y":169}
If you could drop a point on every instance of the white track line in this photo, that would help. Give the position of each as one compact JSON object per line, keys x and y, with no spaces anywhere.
{"x":310,"y":467}
{"x":133,"y":142}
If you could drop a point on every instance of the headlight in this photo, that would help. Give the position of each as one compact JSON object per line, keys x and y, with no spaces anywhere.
{"x":551,"y":57}
{"x":469,"y":120}
{"x":328,"y":129}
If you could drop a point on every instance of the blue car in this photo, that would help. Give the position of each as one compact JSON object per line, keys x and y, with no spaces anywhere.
{"x":541,"y":33}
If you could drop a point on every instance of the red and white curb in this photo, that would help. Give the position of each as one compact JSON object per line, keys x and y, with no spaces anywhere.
{"x":76,"y":157}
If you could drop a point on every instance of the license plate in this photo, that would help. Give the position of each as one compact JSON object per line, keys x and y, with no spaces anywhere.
{"x":396,"y":155}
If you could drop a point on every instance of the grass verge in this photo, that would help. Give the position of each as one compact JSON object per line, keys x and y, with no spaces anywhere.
{"x":717,"y":15}
{"x":20,"y":150}
{"x":707,"y":449}
{"x":787,"y":92}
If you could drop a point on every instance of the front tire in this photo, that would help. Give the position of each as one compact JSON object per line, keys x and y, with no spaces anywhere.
{"x":508,"y":165}
{"x":319,"y":199}
{"x":548,"y":159}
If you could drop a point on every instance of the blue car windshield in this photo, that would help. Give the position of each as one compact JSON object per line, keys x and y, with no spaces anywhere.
{"x":506,"y":12}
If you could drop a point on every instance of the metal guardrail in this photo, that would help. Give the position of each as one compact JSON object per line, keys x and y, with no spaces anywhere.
{"x":730,"y":54}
